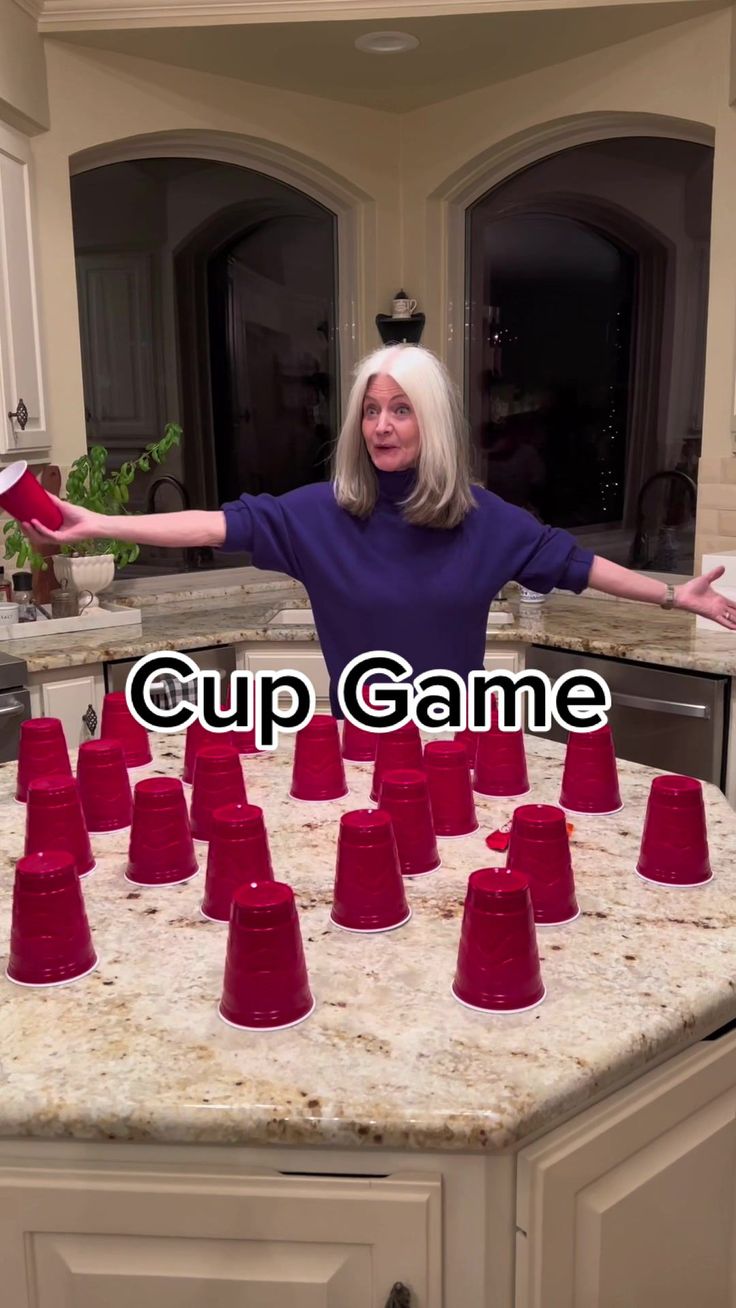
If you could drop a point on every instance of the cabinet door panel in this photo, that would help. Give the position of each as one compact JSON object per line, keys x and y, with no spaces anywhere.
{"x":21,"y":373}
{"x":310,"y":663}
{"x":70,"y":700}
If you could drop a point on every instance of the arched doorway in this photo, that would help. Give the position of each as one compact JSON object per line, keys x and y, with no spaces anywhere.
{"x":587,"y":300}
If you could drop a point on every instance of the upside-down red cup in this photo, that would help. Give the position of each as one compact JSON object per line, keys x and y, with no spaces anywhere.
{"x":104,"y":785}
{"x":397,"y":749}
{"x":369,"y":888}
{"x":266,"y":985}
{"x":405,"y":797}
{"x":238,"y":853}
{"x":590,"y":776}
{"x":318,"y":772}
{"x":118,"y":723}
{"x":50,"y":940}
{"x":450,"y":788}
{"x":243,"y":741}
{"x":24,"y":498}
{"x":42,"y":752}
{"x":500,"y":764}
{"x":161,"y":849}
{"x":498,"y":960}
{"x":539,"y":848}
{"x":218,"y":780}
{"x":358,"y":743}
{"x":469,"y":741}
{"x":198,"y":737}
{"x":54,"y":820}
{"x":674,"y":844}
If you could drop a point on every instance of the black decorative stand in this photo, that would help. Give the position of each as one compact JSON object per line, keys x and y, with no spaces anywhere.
{"x":398,"y":331}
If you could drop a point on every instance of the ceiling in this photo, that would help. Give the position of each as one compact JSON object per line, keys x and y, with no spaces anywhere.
{"x":456,"y":53}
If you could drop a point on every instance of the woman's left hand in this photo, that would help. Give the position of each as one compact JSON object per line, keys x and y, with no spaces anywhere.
{"x":698,"y":596}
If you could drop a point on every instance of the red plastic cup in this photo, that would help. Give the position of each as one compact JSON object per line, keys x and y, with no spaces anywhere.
{"x":674,"y":845}
{"x":266,"y":985}
{"x":161,"y":850}
{"x":54,"y":820}
{"x":118,"y":723}
{"x":450,"y":788}
{"x":469,"y":741}
{"x":369,"y":888}
{"x":498,"y":961}
{"x":198,"y":737}
{"x":243,"y":741}
{"x":359,"y":744}
{"x":539,"y":848}
{"x":318,"y":772}
{"x":396,"y":750}
{"x":405,"y":797}
{"x":238,"y":853}
{"x":42,"y":752}
{"x":50,"y":940}
{"x":24,"y":498}
{"x":104,"y":787}
{"x":218,"y":781}
{"x":590,"y":777}
{"x":500,"y":764}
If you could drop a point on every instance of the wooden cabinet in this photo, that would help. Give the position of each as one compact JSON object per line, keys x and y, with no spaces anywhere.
{"x":631,"y":1205}
{"x":158,"y":1237}
{"x":21,"y":371}
{"x":70,"y":694}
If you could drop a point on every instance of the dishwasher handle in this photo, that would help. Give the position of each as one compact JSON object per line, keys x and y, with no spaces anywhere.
{"x":15,"y":707}
{"x":661,"y":705}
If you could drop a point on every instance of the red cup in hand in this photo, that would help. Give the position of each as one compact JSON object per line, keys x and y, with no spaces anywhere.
{"x":118,"y":723}
{"x":104,"y":785}
{"x":54,"y":820}
{"x":42,"y":752}
{"x":498,"y":960}
{"x":318,"y":772}
{"x":161,"y":850}
{"x":266,"y":985}
{"x":50,"y":940}
{"x":24,"y":498}
{"x":238,"y":852}
{"x":674,"y":845}
{"x":369,"y":887}
{"x":539,"y":848}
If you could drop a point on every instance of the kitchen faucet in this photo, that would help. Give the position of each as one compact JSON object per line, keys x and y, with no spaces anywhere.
{"x":194,"y":556}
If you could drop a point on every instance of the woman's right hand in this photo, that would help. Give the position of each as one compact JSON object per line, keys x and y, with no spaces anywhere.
{"x":78,"y":524}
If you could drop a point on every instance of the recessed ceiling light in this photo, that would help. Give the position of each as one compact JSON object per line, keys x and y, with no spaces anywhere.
{"x":386,"y":42}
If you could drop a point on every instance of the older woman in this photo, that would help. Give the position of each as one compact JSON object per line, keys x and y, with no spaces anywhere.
{"x":400,"y":551}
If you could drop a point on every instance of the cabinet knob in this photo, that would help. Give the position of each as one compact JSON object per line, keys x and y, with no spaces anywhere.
{"x":399,"y":1297}
{"x":20,"y":414}
{"x":90,"y":720}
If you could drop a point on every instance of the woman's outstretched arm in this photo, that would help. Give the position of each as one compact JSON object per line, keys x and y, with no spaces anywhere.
{"x":695,"y":596}
{"x":191,"y":527}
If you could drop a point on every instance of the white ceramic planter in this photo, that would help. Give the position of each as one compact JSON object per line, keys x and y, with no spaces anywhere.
{"x":93,"y":573}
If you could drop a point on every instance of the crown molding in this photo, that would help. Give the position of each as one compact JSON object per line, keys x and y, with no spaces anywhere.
{"x":90,"y":15}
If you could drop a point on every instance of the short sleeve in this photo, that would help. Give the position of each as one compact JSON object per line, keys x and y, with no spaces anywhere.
{"x":259,"y":525}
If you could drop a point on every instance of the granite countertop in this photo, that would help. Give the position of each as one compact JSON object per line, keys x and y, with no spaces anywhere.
{"x":187,"y":619}
{"x":136,"y":1051}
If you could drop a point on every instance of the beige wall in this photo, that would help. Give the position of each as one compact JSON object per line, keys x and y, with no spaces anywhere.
{"x":402,"y":166}
{"x":23,"y":99}
{"x":99,"y":98}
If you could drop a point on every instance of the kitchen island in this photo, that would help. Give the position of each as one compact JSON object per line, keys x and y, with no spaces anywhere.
{"x":394,"y":1135}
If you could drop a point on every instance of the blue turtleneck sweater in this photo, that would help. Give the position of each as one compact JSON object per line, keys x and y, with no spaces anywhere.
{"x":382,"y":584}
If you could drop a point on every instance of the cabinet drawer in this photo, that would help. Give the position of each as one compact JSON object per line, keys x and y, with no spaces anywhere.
{"x":137,"y":1239}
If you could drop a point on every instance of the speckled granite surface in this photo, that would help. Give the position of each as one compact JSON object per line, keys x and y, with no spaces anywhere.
{"x":136,"y":1051}
{"x":619,"y":629}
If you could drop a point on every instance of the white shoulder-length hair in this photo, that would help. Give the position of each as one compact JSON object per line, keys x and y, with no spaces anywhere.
{"x":442,"y":495}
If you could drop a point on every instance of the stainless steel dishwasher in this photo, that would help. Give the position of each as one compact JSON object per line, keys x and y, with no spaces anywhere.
{"x":15,"y":704}
{"x":668,"y":719}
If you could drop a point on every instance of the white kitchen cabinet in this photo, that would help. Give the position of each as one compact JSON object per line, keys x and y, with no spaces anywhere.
{"x":631,"y":1205}
{"x":509,"y":658}
{"x":159,"y":1237}
{"x":291,"y":656}
{"x":70,"y":694}
{"x":21,"y":371}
